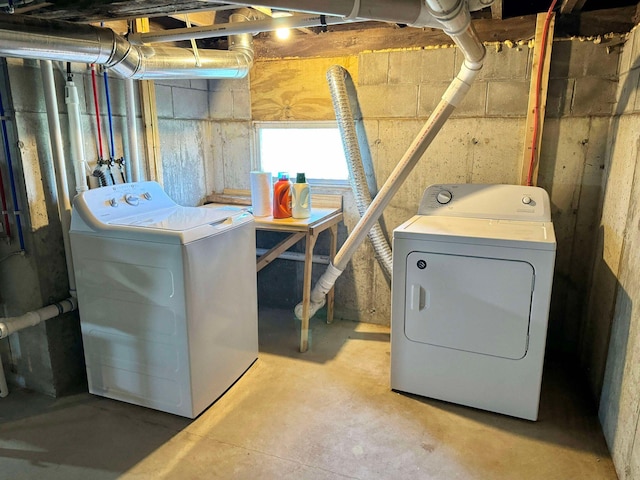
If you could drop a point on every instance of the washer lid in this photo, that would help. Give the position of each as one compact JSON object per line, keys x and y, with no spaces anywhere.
{"x":479,"y":231}
{"x":143,"y":211}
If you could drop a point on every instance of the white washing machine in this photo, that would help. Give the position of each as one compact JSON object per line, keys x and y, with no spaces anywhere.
{"x":167,"y":295}
{"x":472,"y":276}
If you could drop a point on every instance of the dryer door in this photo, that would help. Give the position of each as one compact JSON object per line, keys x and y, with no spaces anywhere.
{"x":479,"y":305}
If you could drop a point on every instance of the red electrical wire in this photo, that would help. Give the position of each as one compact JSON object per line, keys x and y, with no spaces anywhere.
{"x":97,"y":105}
{"x":536,"y":108}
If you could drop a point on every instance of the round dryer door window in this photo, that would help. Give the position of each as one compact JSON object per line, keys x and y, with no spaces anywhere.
{"x":474,"y":304}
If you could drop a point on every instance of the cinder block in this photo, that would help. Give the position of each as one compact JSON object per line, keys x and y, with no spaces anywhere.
{"x":241,"y":105}
{"x":627,"y":92}
{"x":507,"y":99}
{"x":190,"y":104}
{"x":405,"y":67}
{"x":626,"y":52}
{"x":506,"y":64}
{"x":559,"y":95}
{"x":164,"y":101}
{"x":184,"y":83}
{"x":594,"y":96}
{"x":575,"y":59}
{"x":221,"y":104}
{"x":388,"y":101}
{"x":438,"y":64}
{"x":199,"y":84}
{"x":429,"y":96}
{"x":474,"y":103}
{"x":373,"y":68}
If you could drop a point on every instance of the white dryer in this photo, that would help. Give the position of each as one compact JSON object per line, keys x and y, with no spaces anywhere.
{"x":167,"y":297}
{"x":472,"y":276}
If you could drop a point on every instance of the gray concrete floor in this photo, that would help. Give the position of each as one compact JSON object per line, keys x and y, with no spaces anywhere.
{"x":325,"y":414}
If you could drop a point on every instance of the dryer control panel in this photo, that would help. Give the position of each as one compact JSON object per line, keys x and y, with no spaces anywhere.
{"x":500,"y":202}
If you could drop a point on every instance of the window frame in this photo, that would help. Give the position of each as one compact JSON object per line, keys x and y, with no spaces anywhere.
{"x":284,"y":124}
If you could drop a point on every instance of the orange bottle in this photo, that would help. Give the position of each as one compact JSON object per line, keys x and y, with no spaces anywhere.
{"x":282,"y":196}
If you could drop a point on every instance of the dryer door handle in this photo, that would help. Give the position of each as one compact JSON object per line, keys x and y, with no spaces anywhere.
{"x":419,"y":299}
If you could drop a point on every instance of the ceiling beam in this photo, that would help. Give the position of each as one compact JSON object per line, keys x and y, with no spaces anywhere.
{"x":571,"y":6}
{"x":197,"y":19}
{"x":496,"y":10}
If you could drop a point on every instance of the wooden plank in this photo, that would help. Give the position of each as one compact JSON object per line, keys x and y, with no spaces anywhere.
{"x":243,"y":197}
{"x":275,"y":252}
{"x":496,"y":10}
{"x":356,"y":40}
{"x":197,"y":19}
{"x":297,"y":90}
{"x":149,"y":117}
{"x":568,"y":6}
{"x":532,"y":151}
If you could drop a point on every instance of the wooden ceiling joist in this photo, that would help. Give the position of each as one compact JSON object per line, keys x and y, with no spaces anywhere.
{"x":572,"y":6}
{"x":496,"y":10}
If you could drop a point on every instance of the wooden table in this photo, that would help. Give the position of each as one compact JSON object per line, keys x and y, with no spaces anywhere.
{"x":308,"y":228}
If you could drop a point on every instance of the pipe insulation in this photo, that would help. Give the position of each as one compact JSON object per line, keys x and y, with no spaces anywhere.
{"x":64,"y":204}
{"x":462,"y":32}
{"x":37,"y":38}
{"x":9,"y":325}
{"x":336,"y":77}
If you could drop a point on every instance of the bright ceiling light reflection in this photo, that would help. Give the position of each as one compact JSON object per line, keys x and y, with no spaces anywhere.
{"x":283,"y":33}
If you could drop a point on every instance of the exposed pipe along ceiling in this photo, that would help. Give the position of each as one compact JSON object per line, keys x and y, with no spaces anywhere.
{"x":133,"y":59}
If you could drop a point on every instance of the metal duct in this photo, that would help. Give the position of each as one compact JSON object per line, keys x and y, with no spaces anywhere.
{"x":29,"y":37}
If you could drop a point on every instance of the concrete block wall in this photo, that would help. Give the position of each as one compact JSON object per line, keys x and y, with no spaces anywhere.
{"x":204,"y":127}
{"x":615,"y":287}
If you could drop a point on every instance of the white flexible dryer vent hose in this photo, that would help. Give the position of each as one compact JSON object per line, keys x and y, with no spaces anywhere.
{"x":336,"y":76}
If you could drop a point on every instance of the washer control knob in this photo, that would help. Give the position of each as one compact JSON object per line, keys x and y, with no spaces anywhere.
{"x":526,"y":200}
{"x":113,"y":202}
{"x":147,"y":195}
{"x":444,"y":197}
{"x":131,"y":199}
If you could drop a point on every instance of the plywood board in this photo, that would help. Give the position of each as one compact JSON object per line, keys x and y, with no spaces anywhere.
{"x":295,"y":89}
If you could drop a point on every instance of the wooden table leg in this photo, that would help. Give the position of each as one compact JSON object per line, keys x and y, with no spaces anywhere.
{"x":306,"y":291}
{"x":333,"y":247}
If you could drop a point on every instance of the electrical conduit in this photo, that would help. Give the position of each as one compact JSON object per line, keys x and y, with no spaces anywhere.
{"x":456,"y":22}
{"x":336,"y":76}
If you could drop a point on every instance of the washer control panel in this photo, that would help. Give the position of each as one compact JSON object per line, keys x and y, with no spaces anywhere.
{"x":115,"y":202}
{"x":501,"y":202}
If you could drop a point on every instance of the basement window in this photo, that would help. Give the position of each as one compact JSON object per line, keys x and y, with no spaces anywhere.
{"x":314,"y":148}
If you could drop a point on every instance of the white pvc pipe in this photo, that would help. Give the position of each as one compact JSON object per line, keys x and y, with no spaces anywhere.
{"x":11,"y":325}
{"x":64,"y":205}
{"x":133,"y":163}
{"x":455,"y":18}
{"x":75,"y":135}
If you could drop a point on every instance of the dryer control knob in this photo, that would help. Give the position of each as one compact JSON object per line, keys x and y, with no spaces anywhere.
{"x":147,"y":195}
{"x":526,"y":200}
{"x":444,"y":197}
{"x":131,"y":199}
{"x":113,"y":202}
